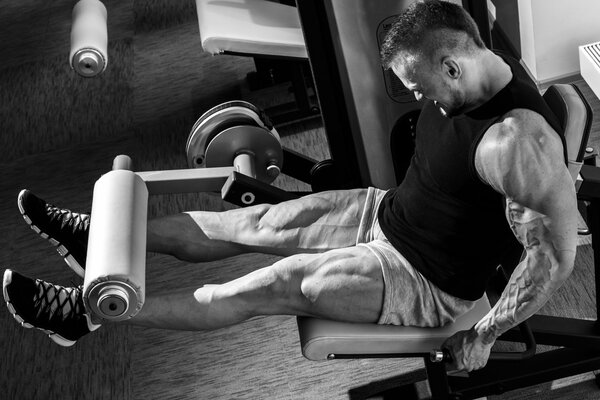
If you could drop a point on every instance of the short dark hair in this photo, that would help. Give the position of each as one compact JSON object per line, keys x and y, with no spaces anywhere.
{"x":412,"y":30}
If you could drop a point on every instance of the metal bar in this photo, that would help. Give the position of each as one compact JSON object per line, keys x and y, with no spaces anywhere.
{"x":297,"y":165}
{"x":300,"y":88}
{"x":244,"y":163}
{"x":438,"y":379}
{"x":376,"y":356}
{"x":588,"y":187}
{"x":561,"y":331}
{"x":186,"y":180}
{"x":501,"y":376}
{"x":246,"y":191}
{"x":594,"y":223}
{"x":329,"y":89}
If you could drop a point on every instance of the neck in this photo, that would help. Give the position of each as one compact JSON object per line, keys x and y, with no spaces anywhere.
{"x":493,"y":75}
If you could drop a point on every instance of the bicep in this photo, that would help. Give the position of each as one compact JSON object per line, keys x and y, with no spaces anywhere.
{"x":524,"y":162}
{"x":521,"y":160}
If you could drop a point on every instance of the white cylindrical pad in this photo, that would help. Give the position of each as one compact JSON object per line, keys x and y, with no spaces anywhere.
{"x":89,"y":38}
{"x":115,"y":272}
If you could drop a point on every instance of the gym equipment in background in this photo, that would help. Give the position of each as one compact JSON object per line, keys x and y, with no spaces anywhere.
{"x":89,"y":38}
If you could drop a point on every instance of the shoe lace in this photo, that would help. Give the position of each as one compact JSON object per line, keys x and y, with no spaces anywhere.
{"x":75,"y":222}
{"x":53,"y":301}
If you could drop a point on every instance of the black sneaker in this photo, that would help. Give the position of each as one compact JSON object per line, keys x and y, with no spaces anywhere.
{"x":66,"y":230}
{"x":55,"y":310}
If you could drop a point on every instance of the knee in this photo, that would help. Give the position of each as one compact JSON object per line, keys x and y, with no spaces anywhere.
{"x":290,"y":290}
{"x":311,"y":289}
{"x":253,"y":225}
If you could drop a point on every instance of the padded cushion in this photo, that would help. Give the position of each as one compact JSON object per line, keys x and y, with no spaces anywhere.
{"x":254,"y":27}
{"x":574,"y":115}
{"x":320,"y":338}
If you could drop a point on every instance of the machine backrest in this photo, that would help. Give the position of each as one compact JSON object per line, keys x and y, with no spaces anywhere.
{"x":575,"y":116}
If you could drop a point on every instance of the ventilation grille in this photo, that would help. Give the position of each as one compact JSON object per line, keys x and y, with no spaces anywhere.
{"x":593,"y":51}
{"x":589,"y":65}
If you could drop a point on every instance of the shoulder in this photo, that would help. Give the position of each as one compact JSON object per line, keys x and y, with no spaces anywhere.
{"x":519,"y":127}
{"x":520,"y":143}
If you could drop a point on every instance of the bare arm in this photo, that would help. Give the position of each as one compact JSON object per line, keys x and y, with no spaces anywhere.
{"x":529,"y":170}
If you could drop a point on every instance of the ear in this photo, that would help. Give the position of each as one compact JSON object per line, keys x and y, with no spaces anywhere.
{"x":451,"y":68}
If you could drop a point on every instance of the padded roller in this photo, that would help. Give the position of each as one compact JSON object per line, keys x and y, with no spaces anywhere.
{"x":114,"y":281}
{"x":89,"y":38}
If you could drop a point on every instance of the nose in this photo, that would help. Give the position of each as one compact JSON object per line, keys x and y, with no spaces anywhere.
{"x":418,"y":95}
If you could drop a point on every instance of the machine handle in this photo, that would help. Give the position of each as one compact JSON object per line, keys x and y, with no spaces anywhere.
{"x":443,"y":355}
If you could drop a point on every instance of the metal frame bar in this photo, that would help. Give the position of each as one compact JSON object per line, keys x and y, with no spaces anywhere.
{"x":186,"y":180}
{"x":500,"y":377}
{"x":297,"y":165}
{"x":329,"y":89}
{"x":594,"y":222}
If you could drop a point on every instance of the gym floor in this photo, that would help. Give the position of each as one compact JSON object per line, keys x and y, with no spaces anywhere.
{"x":59,"y":133}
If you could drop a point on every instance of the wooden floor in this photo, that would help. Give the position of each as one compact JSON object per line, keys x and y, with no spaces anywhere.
{"x":59,"y":133}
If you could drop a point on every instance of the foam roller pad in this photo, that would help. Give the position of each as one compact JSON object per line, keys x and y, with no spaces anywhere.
{"x":89,"y":38}
{"x":114,"y":281}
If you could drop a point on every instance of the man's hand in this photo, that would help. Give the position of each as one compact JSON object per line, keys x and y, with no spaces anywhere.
{"x":468,"y":351}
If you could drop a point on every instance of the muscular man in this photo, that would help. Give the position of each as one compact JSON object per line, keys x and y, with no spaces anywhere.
{"x":489,"y":167}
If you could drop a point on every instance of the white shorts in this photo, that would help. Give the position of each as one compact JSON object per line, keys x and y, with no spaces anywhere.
{"x":409,"y":299}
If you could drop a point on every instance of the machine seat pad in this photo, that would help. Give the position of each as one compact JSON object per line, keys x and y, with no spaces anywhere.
{"x":319,"y":338}
{"x":253,"y":27}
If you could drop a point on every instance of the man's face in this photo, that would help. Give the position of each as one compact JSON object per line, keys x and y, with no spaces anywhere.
{"x":430,"y":82}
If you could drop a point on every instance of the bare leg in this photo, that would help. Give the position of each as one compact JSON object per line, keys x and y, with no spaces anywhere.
{"x":314,"y":223}
{"x":344,"y":284}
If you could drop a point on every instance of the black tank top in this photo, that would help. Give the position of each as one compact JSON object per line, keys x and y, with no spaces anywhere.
{"x":443,"y":218}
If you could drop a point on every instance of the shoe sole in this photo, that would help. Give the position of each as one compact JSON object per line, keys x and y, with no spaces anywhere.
{"x":56,"y":338}
{"x":62,"y":250}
